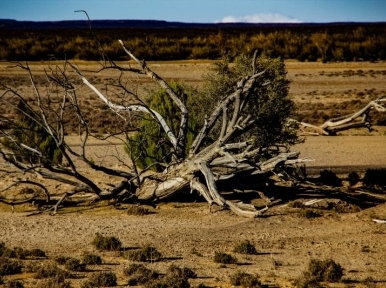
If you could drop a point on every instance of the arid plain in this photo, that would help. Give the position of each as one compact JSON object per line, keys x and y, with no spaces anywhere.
{"x":188,"y":234}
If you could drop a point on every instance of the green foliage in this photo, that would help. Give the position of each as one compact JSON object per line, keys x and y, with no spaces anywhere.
{"x":101,"y":279}
{"x":245,"y":247}
{"x":224,"y":258}
{"x":146,"y":253}
{"x":28,"y":132}
{"x":374,"y":178}
{"x":269,"y":105}
{"x":107,"y":243}
{"x":245,"y":280}
{"x":91,"y":259}
{"x":150,"y":145}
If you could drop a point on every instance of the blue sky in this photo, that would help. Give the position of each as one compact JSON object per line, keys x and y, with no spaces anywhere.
{"x":200,"y":11}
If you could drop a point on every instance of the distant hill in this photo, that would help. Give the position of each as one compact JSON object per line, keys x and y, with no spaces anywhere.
{"x":149,"y":24}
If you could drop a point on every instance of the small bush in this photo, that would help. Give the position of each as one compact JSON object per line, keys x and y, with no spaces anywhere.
{"x":73,"y":264}
{"x":61,"y":260}
{"x":223,"y":258}
{"x":101,"y":279}
{"x":178,"y":272}
{"x":329,"y":178}
{"x":245,"y":247}
{"x":106,"y":243}
{"x":374,"y":178}
{"x":174,"y":278}
{"x":343,"y":207}
{"x":49,"y":270}
{"x":9,"y":266}
{"x":321,"y":270}
{"x":146,"y":253}
{"x":53,"y":283}
{"x":353,"y":178}
{"x":14,"y":284}
{"x":92,"y":259}
{"x":245,"y":280}
{"x":139,"y":274}
{"x":137,"y":210}
{"x":309,"y":214}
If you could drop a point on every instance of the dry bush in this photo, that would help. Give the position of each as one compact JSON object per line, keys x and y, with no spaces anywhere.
{"x":223,"y":258}
{"x":309,"y":213}
{"x":178,"y":272}
{"x":61,"y":260}
{"x":53,"y":283}
{"x":245,"y":247}
{"x":343,"y":207}
{"x":73,"y":264}
{"x":245,"y":280}
{"x":101,"y":279}
{"x":328,"y":177}
{"x":91,"y":259}
{"x":14,"y":283}
{"x":138,"y":274}
{"x":9,"y":266}
{"x":106,"y":243}
{"x":146,"y":253}
{"x":50,"y":270}
{"x":137,"y":210}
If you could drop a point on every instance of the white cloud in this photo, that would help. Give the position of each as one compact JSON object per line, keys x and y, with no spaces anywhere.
{"x":259,"y":18}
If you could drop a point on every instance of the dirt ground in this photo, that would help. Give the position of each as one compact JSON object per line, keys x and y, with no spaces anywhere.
{"x":188,"y":234}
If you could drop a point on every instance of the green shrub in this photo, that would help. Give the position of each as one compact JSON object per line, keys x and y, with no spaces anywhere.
{"x":106,"y":243}
{"x":245,"y":247}
{"x":146,"y":253}
{"x":245,"y":280}
{"x":223,"y":258}
{"x":139,"y":274}
{"x":374,"y":178}
{"x":329,"y":178}
{"x":101,"y":279}
{"x":91,"y":259}
{"x":9,"y":266}
{"x":353,"y":178}
{"x":73,"y":264}
{"x":14,"y":284}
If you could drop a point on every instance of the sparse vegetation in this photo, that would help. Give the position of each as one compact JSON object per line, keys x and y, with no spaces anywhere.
{"x":61,"y":260}
{"x":328,"y":177}
{"x":73,"y":264}
{"x":145,"y":253}
{"x":91,"y":259}
{"x":50,"y":270}
{"x":245,"y":280}
{"x":14,"y":283}
{"x":137,"y":210}
{"x":106,"y":243}
{"x":101,"y":279}
{"x":9,"y":266}
{"x":224,"y":258}
{"x":309,"y":213}
{"x":245,"y":247}
{"x":320,"y":271}
{"x":138,"y":274}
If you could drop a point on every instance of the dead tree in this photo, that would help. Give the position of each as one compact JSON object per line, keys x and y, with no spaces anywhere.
{"x":359,"y":119}
{"x":227,"y":160}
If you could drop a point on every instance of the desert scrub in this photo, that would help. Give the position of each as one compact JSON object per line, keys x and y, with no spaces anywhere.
{"x":245,"y":280}
{"x":106,"y":243}
{"x":14,"y":283}
{"x":139,"y":275}
{"x":309,"y":213}
{"x":91,"y":259}
{"x":223,"y":258}
{"x":328,"y":177}
{"x":50,"y":270}
{"x":343,"y":207}
{"x":353,"y":178}
{"x":20,"y":253}
{"x":245,"y":247}
{"x":73,"y":264}
{"x":318,"y":271}
{"x":53,"y":283}
{"x":183,"y":272}
{"x":174,"y":277}
{"x":101,"y":279}
{"x":61,"y":260}
{"x":146,"y":253}
{"x":374,"y":178}
{"x":9,"y":266}
{"x":137,"y":210}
